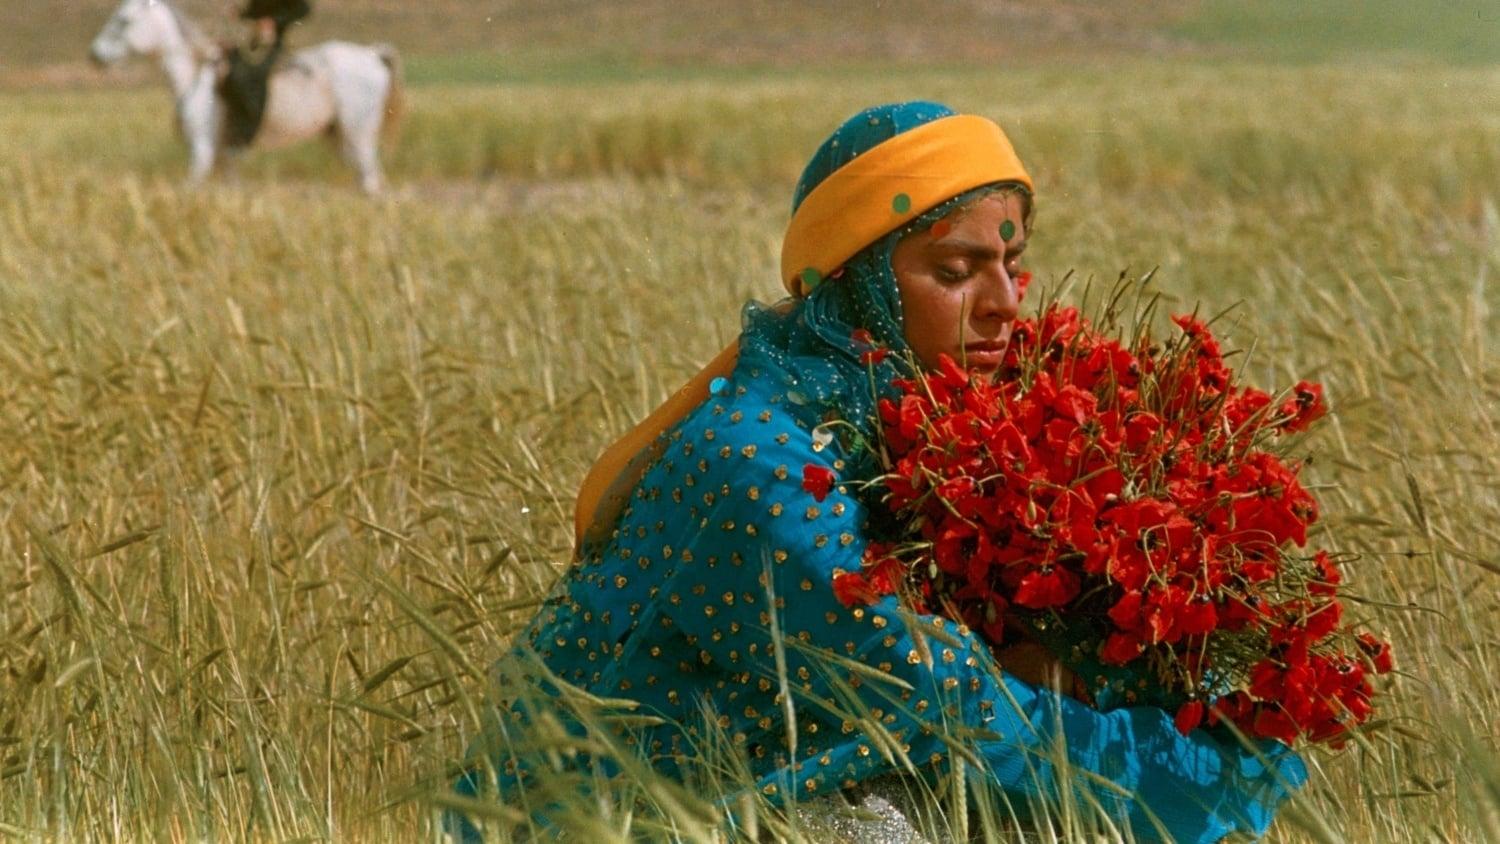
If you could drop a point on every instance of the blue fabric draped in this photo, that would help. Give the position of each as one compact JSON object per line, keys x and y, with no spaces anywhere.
{"x":710,"y":607}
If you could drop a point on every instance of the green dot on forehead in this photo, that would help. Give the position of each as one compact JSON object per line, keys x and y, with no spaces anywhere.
{"x":811,"y":277}
{"x":1007,"y":230}
{"x":901,"y":204}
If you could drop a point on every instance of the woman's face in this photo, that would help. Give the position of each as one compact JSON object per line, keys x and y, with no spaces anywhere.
{"x":957,"y":282}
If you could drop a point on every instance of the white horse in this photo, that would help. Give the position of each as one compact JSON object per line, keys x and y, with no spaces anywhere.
{"x":350,"y":92}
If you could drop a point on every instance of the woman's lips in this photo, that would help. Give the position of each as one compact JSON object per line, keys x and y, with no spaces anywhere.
{"x":987,"y":354}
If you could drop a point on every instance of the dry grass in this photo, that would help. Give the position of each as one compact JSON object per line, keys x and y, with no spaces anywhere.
{"x":278,"y":464}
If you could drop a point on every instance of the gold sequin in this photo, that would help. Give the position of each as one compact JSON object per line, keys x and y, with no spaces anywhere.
{"x":846,"y":538}
{"x":776,"y":509}
{"x":765,"y":416}
{"x":820,"y":540}
{"x":807,"y":585}
{"x":748,"y":451}
{"x":708,"y":433}
{"x":736,"y":416}
{"x":878,"y":621}
{"x":753,"y":493}
{"x":838,"y":508}
{"x":781,"y":472}
{"x":620,"y":581}
{"x":725,"y":452}
{"x":813,"y":512}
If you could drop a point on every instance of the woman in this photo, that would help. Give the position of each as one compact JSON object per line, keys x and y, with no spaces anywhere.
{"x":708,"y":541}
{"x":247,"y":76}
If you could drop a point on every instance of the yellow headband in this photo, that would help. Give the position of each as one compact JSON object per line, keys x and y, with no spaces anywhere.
{"x":888,"y":186}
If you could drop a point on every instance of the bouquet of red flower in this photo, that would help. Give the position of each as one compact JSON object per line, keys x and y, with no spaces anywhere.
{"x":1128,"y":505}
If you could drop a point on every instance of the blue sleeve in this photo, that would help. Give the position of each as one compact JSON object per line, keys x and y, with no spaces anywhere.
{"x":942,"y":679}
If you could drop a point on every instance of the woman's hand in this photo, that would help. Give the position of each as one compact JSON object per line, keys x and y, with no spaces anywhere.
{"x":1034,"y":664}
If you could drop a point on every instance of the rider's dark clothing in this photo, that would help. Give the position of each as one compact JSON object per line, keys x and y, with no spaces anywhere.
{"x":247,"y":78}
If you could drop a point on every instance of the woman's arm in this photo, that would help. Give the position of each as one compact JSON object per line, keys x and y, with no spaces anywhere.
{"x":775,"y":550}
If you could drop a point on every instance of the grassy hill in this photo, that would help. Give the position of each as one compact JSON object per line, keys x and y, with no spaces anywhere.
{"x":44,"y":43}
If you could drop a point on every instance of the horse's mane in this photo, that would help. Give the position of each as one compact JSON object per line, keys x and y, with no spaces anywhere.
{"x":200,"y":43}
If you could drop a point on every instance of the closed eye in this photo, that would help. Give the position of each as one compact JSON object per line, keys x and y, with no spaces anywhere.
{"x":953,"y":272}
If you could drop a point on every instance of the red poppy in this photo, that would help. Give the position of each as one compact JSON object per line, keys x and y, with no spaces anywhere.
{"x":1121,"y":648}
{"x":1049,"y":586}
{"x":1189,"y":716}
{"x":817,"y":480}
{"x":852,"y":589}
{"x":1378,"y":652}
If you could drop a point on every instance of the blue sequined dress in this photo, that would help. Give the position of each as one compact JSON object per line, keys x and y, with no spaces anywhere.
{"x":675,"y":611}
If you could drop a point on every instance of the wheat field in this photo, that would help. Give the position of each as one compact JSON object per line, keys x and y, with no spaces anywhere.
{"x":282,"y":468}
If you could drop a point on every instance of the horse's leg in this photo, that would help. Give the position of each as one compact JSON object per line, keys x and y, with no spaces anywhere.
{"x":201,"y":160}
{"x":360,"y":146}
{"x":200,"y":127}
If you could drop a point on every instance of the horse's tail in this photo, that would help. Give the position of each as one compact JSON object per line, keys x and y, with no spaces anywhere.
{"x":395,"y":98}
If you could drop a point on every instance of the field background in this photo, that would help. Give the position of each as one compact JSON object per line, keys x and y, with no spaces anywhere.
{"x":280,"y":465}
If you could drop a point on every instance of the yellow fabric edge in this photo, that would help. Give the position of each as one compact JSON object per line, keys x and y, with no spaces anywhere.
{"x":607,"y":486}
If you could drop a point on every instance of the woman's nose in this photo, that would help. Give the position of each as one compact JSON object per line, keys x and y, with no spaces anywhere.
{"x":998,"y":299}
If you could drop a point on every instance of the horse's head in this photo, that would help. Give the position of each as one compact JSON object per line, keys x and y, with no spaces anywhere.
{"x":138,"y":27}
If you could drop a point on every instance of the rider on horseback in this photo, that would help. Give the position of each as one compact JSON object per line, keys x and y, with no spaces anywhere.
{"x":247,"y":77}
